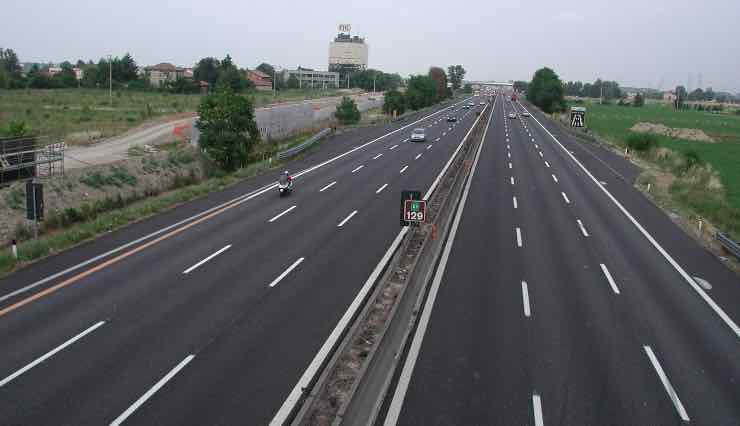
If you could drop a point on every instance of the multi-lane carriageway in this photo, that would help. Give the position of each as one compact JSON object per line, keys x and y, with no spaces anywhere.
{"x":556,"y":305}
{"x":555,"y":308}
{"x":215,"y":319}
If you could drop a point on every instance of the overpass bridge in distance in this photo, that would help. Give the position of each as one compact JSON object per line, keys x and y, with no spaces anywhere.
{"x":490,"y":83}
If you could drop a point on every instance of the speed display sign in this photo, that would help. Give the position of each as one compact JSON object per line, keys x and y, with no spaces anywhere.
{"x":415,"y":210}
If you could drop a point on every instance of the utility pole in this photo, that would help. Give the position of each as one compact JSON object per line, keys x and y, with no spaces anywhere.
{"x":601,"y":93}
{"x":110,"y":79}
{"x":374,"y":76}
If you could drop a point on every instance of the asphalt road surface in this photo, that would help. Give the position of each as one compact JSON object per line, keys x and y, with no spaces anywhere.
{"x":555,"y":308}
{"x":212,"y":319}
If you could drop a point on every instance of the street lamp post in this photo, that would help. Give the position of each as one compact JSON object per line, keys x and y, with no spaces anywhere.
{"x":110,"y":79}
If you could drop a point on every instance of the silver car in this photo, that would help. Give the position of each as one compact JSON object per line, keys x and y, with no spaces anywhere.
{"x":418,"y":135}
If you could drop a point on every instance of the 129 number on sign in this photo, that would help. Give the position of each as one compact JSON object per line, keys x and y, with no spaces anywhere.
{"x":415,"y":216}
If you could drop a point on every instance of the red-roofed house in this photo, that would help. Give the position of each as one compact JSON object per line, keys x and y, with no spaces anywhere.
{"x":260,"y":80}
{"x":163,"y":72}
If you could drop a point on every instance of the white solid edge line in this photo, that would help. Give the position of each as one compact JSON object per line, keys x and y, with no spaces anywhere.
{"x":515,"y":203}
{"x":328,"y":186}
{"x":50,"y":354}
{"x":525,"y":299}
{"x":378,"y":156}
{"x":279,"y":215}
{"x":537,"y":409}
{"x":712,"y":304}
{"x":163,"y":381}
{"x":192,"y":268}
{"x":232,"y":203}
{"x":609,"y":278}
{"x":286,"y":272}
{"x":404,"y":169}
{"x":394,"y":147}
{"x":518,"y":237}
{"x":667,"y":384}
{"x":358,"y":168}
{"x":394,"y":409}
{"x":346,"y":219}
{"x":565,"y":197}
{"x":583,"y":228}
{"x":381,"y":188}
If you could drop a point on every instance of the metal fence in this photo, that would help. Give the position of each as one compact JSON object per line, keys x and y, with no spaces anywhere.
{"x":29,"y":157}
{"x":282,"y":155}
{"x":729,"y":245}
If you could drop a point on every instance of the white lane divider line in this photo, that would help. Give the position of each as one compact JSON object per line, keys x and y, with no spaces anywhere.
{"x":192,"y":268}
{"x":536,"y":146}
{"x":143,"y":399}
{"x":547,"y":164}
{"x":358,"y":168}
{"x":394,"y":147}
{"x":583,"y":228}
{"x":406,"y":140}
{"x":518,"y":237}
{"x":417,"y":156}
{"x":381,"y":188}
{"x":510,"y":166}
{"x":565,"y":197}
{"x":537,"y":408}
{"x":280,"y":214}
{"x":512,"y":180}
{"x":404,"y":169}
{"x":378,"y":156}
{"x":555,"y":178}
{"x":429,"y":146}
{"x":508,"y":146}
{"x":328,"y":186}
{"x":51,"y":353}
{"x":540,"y":152}
{"x":667,"y":384}
{"x":509,"y":154}
{"x":286,"y":272}
{"x":516,"y":205}
{"x":346,"y":219}
{"x":444,"y":133}
{"x":609,"y":278}
{"x":437,"y":140}
{"x":525,"y":299}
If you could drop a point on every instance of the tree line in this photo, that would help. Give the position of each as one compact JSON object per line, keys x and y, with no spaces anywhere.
{"x":424,"y":90}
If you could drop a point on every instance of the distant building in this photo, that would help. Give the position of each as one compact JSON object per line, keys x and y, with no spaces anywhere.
{"x":347,"y":54}
{"x":308,"y":78}
{"x":161,"y":73}
{"x":188,"y":73}
{"x":260,"y":80}
{"x":79,"y":73}
{"x":669,"y":96}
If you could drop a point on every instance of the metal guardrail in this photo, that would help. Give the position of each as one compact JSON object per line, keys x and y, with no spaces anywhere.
{"x":282,"y":155}
{"x":730,"y":245}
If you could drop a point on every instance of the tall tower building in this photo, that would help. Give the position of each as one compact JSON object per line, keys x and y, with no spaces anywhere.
{"x":347,"y":54}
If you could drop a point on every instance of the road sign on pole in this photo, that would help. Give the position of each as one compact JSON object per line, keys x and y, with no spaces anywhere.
{"x":34,"y":201}
{"x":405,"y":196}
{"x":415,"y":211}
{"x":577,"y":117}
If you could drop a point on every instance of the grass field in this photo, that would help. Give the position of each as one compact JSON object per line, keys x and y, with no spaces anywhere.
{"x":89,"y":113}
{"x":613,"y":122}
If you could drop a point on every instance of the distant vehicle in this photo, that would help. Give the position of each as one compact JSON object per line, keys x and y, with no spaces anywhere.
{"x":451,"y":119}
{"x":285,"y":184}
{"x":466,"y":107}
{"x":512,"y":115}
{"x":418,"y":135}
{"x":525,"y":114}
{"x":471,"y":104}
{"x":482,"y":103}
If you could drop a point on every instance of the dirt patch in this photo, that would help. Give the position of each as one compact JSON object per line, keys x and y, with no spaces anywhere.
{"x":678,"y":133}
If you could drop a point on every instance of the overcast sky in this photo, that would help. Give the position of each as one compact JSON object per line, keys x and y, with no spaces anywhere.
{"x":656,"y":43}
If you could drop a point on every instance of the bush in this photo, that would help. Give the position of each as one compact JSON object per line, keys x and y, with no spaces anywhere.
{"x":641,"y":141}
{"x":347,"y":112}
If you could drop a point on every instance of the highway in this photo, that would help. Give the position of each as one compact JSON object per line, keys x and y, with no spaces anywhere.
{"x":555,"y":306}
{"x":212,"y":312}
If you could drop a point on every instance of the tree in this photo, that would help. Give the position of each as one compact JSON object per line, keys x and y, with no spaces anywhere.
{"x":266,"y":68}
{"x":10,"y":64}
{"x":468,"y":88}
{"x":227,"y":128}
{"x":125,"y":69}
{"x":696,"y":95}
{"x":347,"y":112}
{"x":394,"y":101}
{"x":229,"y":75}
{"x":546,"y":91}
{"x":440,"y":82}
{"x":207,"y":70}
{"x":681,"y":97}
{"x":67,"y":77}
{"x":293,"y":82}
{"x":639,"y":100}
{"x":520,"y":86}
{"x":456,"y":74}
{"x":421,"y":92}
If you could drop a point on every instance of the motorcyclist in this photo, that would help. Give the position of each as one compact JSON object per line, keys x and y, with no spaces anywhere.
{"x":288,"y":179}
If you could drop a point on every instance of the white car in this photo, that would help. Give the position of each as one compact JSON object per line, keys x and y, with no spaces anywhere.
{"x":525,"y":114}
{"x":482,"y":103}
{"x":418,"y":135}
{"x":512,"y":116}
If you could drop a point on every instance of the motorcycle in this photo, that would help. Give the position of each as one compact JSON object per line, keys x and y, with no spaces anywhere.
{"x":285,"y":187}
